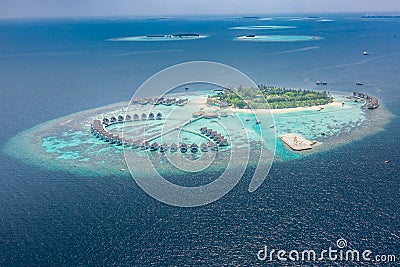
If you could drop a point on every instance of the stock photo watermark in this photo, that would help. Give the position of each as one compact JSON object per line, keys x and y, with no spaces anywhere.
{"x":340,"y":253}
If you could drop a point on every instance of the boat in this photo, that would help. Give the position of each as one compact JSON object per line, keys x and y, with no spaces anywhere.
{"x":258,"y":122}
{"x":159,"y":116}
{"x":183,"y":147}
{"x":120,"y":118}
{"x":359,"y":83}
{"x":365,"y":53}
{"x":321,"y":83}
{"x":194,"y":148}
{"x":151,"y":116}
{"x":272,"y":126}
{"x":247,"y":119}
{"x":388,"y":161}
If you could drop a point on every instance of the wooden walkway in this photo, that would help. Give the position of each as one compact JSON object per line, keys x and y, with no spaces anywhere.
{"x":181,"y":129}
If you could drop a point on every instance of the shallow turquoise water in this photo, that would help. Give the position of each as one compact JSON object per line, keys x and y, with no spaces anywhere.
{"x":73,"y":145}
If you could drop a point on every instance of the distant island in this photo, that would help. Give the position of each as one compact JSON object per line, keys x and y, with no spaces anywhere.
{"x":277,"y":98}
{"x":381,"y":17}
{"x":161,"y":37}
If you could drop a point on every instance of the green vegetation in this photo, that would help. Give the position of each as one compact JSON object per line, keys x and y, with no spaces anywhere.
{"x":276,"y":97}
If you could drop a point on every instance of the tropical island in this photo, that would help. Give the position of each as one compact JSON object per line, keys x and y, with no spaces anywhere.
{"x":160,"y":37}
{"x":277,"y":98}
{"x":207,"y":124}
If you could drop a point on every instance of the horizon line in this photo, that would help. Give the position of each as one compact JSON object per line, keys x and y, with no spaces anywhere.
{"x":240,"y":15}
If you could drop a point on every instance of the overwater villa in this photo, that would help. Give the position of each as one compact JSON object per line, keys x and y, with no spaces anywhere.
{"x":163,"y":147}
{"x":223,"y":142}
{"x":213,"y":146}
{"x":183,"y":147}
{"x":159,"y":101}
{"x":371,"y":101}
{"x":203,"y":130}
{"x":144,"y":101}
{"x":203,"y":147}
{"x":154,"y":146}
{"x":212,"y":134}
{"x":173,"y":147}
{"x":194,"y":148}
{"x":144,"y":145}
{"x":167,"y":102}
{"x":118,"y":141}
{"x":135,"y":144}
{"x":217,"y":137}
{"x":99,"y":130}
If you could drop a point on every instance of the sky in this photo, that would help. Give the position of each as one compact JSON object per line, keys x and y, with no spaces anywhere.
{"x":99,"y":8}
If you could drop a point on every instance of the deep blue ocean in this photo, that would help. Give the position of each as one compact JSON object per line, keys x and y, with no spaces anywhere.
{"x":52,"y":68}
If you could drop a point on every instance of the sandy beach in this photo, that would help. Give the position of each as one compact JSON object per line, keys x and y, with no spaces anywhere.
{"x":278,"y":111}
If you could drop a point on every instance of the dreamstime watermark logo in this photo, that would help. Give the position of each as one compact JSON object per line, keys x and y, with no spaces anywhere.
{"x":333,"y":254}
{"x":178,"y":123}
